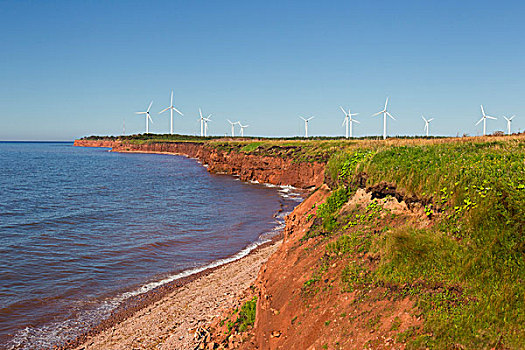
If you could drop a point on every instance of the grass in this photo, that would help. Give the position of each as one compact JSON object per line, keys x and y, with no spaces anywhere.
{"x":467,"y":270}
{"x":245,"y":318}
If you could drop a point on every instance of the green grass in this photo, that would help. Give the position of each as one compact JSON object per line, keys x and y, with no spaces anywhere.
{"x":246,"y":316}
{"x":467,"y":270}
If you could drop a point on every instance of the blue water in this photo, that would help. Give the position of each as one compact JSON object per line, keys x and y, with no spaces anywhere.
{"x":82,"y":228}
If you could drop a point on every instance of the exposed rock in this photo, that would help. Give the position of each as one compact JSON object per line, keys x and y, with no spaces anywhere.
{"x":249,"y":167}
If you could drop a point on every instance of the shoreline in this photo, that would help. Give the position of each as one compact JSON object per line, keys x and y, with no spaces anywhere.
{"x":132,"y":306}
{"x":119,"y":328}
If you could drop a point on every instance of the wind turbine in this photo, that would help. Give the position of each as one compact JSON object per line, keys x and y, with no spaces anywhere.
{"x":233,"y":126}
{"x":484,"y":120}
{"x":348,"y":120}
{"x":385,"y":113}
{"x":427,"y":122}
{"x":206,"y":120}
{"x":508,"y":123}
{"x":203,"y":121}
{"x":148,"y":117}
{"x":306,"y":125}
{"x":171,"y":108}
{"x":242,"y":128}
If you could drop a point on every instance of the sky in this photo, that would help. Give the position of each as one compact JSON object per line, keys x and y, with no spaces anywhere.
{"x":69,"y":69}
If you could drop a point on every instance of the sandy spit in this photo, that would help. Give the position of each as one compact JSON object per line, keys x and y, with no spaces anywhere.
{"x":169,"y":322}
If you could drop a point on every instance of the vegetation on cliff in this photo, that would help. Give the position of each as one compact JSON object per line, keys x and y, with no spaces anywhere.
{"x":466,"y":268}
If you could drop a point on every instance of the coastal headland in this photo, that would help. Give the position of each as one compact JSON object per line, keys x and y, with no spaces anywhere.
{"x":403,"y":243}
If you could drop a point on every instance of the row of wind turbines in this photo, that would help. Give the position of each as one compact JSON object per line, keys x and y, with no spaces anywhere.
{"x":347,"y":121}
{"x":203,"y":120}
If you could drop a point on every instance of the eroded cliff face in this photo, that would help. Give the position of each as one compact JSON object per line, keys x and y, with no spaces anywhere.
{"x":264,"y":169}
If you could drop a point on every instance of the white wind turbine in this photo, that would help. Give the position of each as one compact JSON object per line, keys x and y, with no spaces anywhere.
{"x":427,"y":123}
{"x":171,"y":108}
{"x":508,"y":123}
{"x":484,"y":120}
{"x":306,"y":125}
{"x":242,"y":128}
{"x":148,"y":117}
{"x":203,"y":121}
{"x":348,"y":120}
{"x":233,"y":126}
{"x":206,"y":120}
{"x":385,"y":113}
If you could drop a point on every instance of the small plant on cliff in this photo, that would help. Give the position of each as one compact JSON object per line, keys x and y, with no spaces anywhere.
{"x":246,"y":317}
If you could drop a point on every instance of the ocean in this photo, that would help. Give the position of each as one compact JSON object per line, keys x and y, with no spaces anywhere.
{"x":82,"y":229}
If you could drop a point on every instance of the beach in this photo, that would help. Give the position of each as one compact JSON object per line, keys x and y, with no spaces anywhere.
{"x":170,"y":323}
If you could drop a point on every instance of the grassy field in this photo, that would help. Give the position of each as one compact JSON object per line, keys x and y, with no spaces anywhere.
{"x":467,"y":269}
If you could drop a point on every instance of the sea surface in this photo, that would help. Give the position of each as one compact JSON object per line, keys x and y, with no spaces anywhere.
{"x":82,"y":229}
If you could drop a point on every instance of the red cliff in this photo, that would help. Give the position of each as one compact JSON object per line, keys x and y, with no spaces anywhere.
{"x":264,"y":169}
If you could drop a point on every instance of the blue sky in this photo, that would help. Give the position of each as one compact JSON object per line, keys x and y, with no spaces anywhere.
{"x":75,"y":68}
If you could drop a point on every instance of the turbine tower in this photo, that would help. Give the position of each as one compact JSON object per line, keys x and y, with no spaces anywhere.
{"x":171,"y":108}
{"x":348,"y":120}
{"x":233,"y":126}
{"x":508,"y":123}
{"x":148,"y":117}
{"x":385,"y":113}
{"x":484,"y":120}
{"x":306,"y":125}
{"x":242,"y":128}
{"x":427,"y":122}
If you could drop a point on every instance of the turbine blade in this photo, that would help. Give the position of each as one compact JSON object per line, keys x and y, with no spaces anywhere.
{"x":488,"y":116}
{"x":310,"y":118}
{"x":480,"y":121}
{"x":342,"y":110}
{"x":171,"y":104}
{"x":200,"y":112}
{"x":176,"y":110}
{"x":302,"y":118}
{"x":140,"y":112}
{"x":424,"y":119}
{"x":352,"y":114}
{"x":386,"y":103}
{"x":344,"y":121}
{"x":378,"y":113}
{"x":149,"y":106}
{"x":512,"y":117}
{"x":356,"y":121}
{"x":482,"y":110}
{"x":390,"y":115}
{"x":431,"y":119}
{"x":164,"y":110}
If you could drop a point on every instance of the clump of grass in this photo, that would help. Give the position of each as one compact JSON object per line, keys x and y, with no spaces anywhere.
{"x":246,"y":316}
